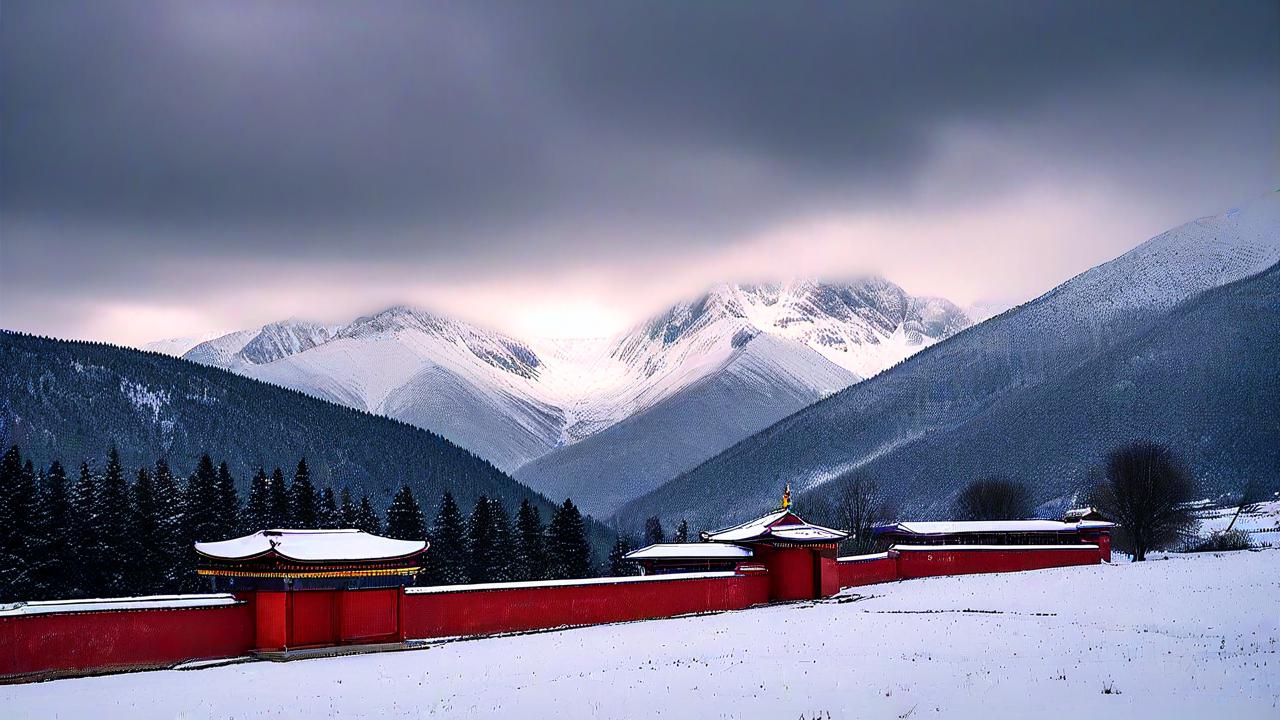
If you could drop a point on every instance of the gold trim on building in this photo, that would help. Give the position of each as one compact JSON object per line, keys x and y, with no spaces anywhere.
{"x":296,"y":575}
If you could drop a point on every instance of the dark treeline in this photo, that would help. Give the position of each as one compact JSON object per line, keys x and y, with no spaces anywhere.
{"x":111,"y":532}
{"x":488,"y":546}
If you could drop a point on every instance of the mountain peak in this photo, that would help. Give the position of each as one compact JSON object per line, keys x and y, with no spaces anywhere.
{"x":282,"y":339}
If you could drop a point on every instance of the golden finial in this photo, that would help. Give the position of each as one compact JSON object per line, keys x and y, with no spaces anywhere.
{"x":786,"y":497}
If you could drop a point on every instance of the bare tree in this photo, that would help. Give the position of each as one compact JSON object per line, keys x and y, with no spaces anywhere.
{"x":994,"y":497}
{"x":857,"y":504}
{"x":1148,"y":492}
{"x":1251,"y":495}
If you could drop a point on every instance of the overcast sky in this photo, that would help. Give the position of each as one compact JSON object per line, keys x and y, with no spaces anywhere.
{"x":175,"y":168}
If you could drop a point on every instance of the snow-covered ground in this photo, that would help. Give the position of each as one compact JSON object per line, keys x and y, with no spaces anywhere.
{"x":1188,"y":636}
{"x":1262,"y":522}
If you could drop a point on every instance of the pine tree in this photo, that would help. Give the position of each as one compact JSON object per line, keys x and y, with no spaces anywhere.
{"x":503,"y":543}
{"x":447,"y":562}
{"x":653,"y":531}
{"x":19,"y":527}
{"x":175,"y":558}
{"x":481,"y":551}
{"x":279,"y":515}
{"x":202,"y":516}
{"x":116,"y":534}
{"x":366,"y":518}
{"x":54,"y":574}
{"x":347,"y":510}
{"x":228,"y":507}
{"x":404,"y":516}
{"x":85,"y":578}
{"x":618,"y":565}
{"x":146,"y":564}
{"x":682,"y":532}
{"x":302,"y":497}
{"x":327,"y":515}
{"x":568,"y":554}
{"x":257,"y":512}
{"x":530,"y":552}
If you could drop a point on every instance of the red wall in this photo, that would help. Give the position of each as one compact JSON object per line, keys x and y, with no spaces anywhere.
{"x":122,"y":638}
{"x":942,"y":561}
{"x":481,"y":612}
{"x":790,"y":572}
{"x":116,"y":639}
{"x":369,"y":615}
{"x":867,"y":572}
{"x":271,"y":615}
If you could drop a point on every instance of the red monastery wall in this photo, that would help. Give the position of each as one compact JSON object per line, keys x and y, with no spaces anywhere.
{"x":43,"y":639}
{"x":75,"y":642}
{"x":446,"y":612}
{"x":917,"y":562}
{"x":867,"y":570}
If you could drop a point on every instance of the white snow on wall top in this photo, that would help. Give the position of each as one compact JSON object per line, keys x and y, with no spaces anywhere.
{"x":528,"y":584}
{"x":863,"y":558}
{"x":1019,"y":548}
{"x":312,"y":545}
{"x":689,"y":550}
{"x":149,"y":602}
{"x":988,"y":526}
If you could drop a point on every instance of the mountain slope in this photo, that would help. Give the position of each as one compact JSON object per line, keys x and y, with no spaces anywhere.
{"x":466,"y":384}
{"x":1204,"y":379}
{"x":764,"y":380}
{"x":951,"y":383}
{"x":72,"y":400}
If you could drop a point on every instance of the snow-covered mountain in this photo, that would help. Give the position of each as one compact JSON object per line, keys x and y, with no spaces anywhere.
{"x":1041,"y":390}
{"x":512,"y":401}
{"x":178,"y":346}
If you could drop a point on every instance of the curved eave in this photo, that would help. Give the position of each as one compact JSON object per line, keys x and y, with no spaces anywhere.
{"x":275,"y":553}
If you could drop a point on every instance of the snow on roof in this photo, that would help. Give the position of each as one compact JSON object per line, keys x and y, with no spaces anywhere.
{"x":310,"y":545}
{"x":148,"y":602}
{"x":688,"y":550}
{"x":749,"y":529}
{"x":780,"y":524}
{"x":529,"y":584}
{"x":990,"y":526}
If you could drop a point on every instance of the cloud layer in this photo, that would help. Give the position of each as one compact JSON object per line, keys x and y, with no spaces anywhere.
{"x":177,"y":167}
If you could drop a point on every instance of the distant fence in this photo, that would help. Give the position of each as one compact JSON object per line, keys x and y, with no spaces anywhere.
{"x":48,"y":639}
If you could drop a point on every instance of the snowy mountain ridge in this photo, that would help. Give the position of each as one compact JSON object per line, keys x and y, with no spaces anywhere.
{"x":511,"y":401}
{"x":1046,"y":386}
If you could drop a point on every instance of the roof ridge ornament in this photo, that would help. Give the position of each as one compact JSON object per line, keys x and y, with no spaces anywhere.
{"x":786,"y":497}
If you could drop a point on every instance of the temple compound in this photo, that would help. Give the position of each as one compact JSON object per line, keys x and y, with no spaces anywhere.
{"x":295,"y":593}
{"x":315,"y":587}
{"x":798,"y":557}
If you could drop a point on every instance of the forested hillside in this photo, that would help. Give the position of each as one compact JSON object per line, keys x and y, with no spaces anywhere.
{"x":74,"y":400}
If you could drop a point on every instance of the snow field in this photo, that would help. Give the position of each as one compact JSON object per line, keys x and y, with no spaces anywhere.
{"x":1187,"y":636}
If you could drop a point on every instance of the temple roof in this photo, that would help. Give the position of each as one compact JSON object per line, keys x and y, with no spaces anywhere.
{"x":311,"y":546}
{"x":781,"y":525}
{"x":689,"y":551}
{"x":990,"y":526}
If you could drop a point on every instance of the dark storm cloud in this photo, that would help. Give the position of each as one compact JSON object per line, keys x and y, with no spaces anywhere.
{"x":135,"y":132}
